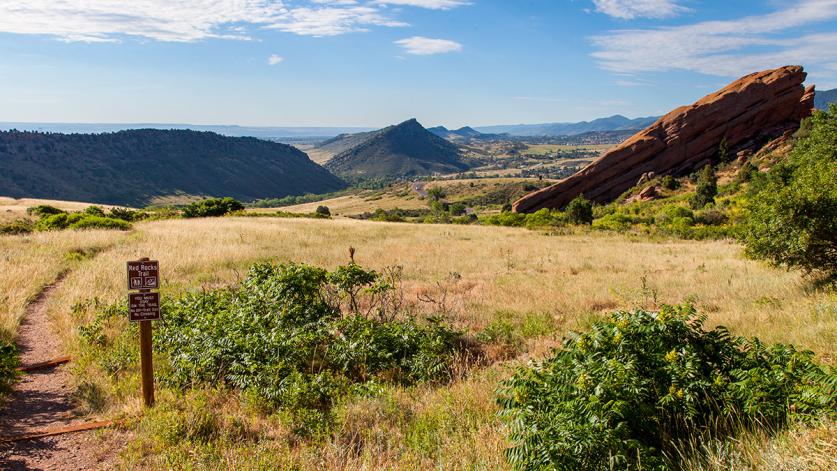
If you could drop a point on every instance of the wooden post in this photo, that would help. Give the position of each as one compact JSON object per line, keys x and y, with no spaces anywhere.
{"x":146,"y":364}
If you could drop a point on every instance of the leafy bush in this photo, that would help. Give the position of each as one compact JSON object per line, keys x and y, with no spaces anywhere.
{"x":94,"y":211}
{"x":793,"y":207}
{"x":97,"y":222}
{"x":670,"y":183}
{"x":707,"y":188}
{"x":212,"y":207}
{"x":8,"y":364}
{"x":579,"y":211}
{"x":62,"y":221}
{"x":323,"y":211}
{"x":128,"y":215}
{"x":640,"y":385}
{"x":17,"y":227}
{"x":671,"y":212}
{"x":301,"y":338}
{"x":613,"y":222}
{"x":746,"y":172}
{"x":44,"y":210}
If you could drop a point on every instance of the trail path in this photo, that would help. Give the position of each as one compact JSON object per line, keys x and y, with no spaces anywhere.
{"x":44,"y":399}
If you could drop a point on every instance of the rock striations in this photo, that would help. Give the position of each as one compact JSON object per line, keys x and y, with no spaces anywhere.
{"x":746,"y":113}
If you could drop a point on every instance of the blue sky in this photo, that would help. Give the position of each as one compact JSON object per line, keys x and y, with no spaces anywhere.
{"x":376,"y":62}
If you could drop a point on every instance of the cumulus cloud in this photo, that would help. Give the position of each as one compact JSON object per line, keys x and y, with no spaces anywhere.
{"x":421,"y":46}
{"x":193,"y":20}
{"x":630,"y":9}
{"x":728,"y":48}
{"x":274,"y":59}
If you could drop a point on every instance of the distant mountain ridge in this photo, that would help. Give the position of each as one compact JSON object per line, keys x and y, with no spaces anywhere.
{"x":823,"y":97}
{"x":261,"y":132}
{"x":612,"y":123}
{"x":406,"y":149}
{"x":134,"y":167}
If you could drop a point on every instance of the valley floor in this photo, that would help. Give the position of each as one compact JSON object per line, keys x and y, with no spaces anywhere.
{"x":534,"y":287}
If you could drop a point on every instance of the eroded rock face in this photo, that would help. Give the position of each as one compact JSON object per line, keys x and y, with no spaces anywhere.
{"x":747,"y":113}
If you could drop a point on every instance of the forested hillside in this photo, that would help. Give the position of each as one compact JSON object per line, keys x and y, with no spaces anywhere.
{"x":133,"y":167}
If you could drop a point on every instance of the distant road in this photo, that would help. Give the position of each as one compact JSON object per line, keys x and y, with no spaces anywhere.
{"x":418,"y":187}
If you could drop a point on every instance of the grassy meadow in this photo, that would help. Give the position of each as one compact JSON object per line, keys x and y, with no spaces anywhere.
{"x":522,"y":290}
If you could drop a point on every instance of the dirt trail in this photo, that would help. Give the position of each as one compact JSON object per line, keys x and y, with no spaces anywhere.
{"x":44,"y":399}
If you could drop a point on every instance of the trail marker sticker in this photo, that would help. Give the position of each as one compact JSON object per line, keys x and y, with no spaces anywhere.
{"x":144,"y":307}
{"x":144,"y":274}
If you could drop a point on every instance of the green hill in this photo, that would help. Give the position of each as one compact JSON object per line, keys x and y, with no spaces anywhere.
{"x":133,"y":167}
{"x":407,"y":149}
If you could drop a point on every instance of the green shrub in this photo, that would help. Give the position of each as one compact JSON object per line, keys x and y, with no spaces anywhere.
{"x":54,"y":222}
{"x":579,"y":211}
{"x":17,"y":227}
{"x":457,"y":209}
{"x":707,"y":188}
{"x":323,"y":211}
{"x":613,"y":222}
{"x":212,"y":207}
{"x":63,"y":221}
{"x":128,"y":215}
{"x":711,"y":217}
{"x":8,"y":365}
{"x":44,"y":210}
{"x":506,"y":218}
{"x":670,"y":183}
{"x":96,"y":222}
{"x":640,"y":386}
{"x":668,"y":213}
{"x":94,"y":211}
{"x":793,"y":207}
{"x":301,"y":338}
{"x":746,"y":172}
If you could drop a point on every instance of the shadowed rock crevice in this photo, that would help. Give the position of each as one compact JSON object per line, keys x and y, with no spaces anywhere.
{"x":747,"y":113}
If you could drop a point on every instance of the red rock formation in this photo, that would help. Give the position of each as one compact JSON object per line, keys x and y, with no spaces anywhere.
{"x":747,"y":113}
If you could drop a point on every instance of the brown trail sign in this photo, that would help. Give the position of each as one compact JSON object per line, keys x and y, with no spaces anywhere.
{"x":144,"y":307}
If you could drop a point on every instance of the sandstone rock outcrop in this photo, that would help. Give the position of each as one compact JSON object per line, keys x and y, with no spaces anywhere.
{"x":747,"y":113}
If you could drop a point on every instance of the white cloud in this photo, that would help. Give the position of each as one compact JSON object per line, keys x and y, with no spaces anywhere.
{"x":630,"y":9}
{"x":432,"y":4}
{"x":421,"y":46}
{"x":724,"y":48}
{"x":274,"y":59}
{"x":193,"y":20}
{"x":332,"y":21}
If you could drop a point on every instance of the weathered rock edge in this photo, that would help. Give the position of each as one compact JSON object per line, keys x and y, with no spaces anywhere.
{"x":747,"y":113}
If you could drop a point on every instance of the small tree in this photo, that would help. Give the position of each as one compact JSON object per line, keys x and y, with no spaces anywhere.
{"x":323,"y":211}
{"x":436,"y":194}
{"x":707,"y":188}
{"x":793,"y":207}
{"x":724,"y":154}
{"x":670,"y":183}
{"x":580,"y":211}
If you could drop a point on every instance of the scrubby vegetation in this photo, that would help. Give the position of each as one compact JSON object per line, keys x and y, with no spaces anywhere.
{"x":212,"y":207}
{"x":640,"y":388}
{"x":93,"y":217}
{"x":8,"y":365}
{"x":793,"y":208}
{"x":300,"y":338}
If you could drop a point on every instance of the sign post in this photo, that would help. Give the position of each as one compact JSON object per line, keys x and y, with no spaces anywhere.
{"x":144,"y":307}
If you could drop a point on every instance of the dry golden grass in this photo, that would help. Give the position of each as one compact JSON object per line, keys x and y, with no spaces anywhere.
{"x":28,"y":263}
{"x":12,"y":208}
{"x":561,"y":281}
{"x":353,"y":205}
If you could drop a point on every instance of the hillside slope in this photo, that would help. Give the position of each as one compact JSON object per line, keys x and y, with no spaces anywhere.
{"x":133,"y":167}
{"x":406,"y":149}
{"x":823,"y":97}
